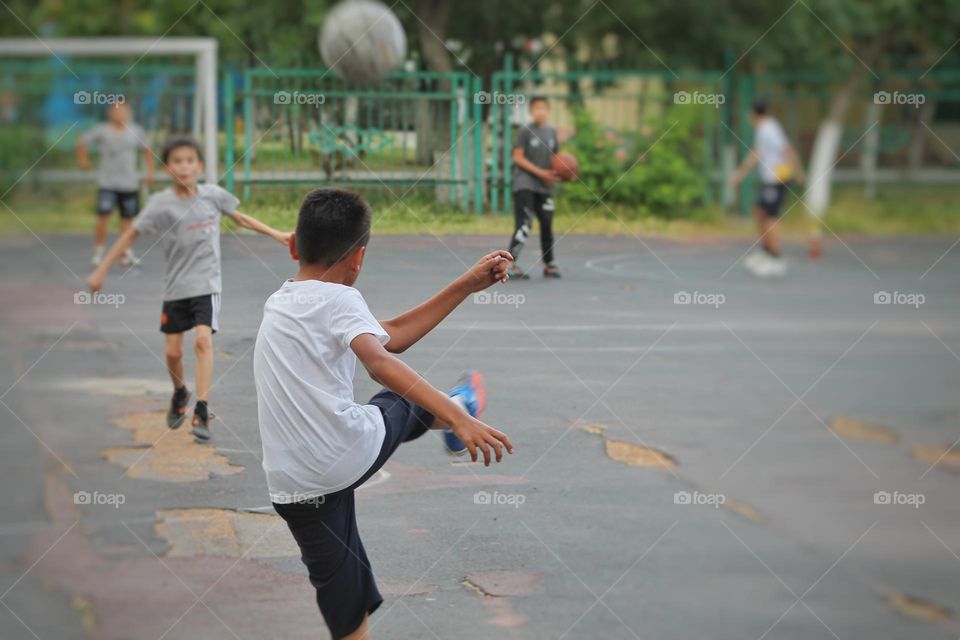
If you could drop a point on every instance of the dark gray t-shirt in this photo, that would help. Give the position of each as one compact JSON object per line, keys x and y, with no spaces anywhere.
{"x":539,"y":144}
{"x":190,"y":237}
{"x":118,"y":155}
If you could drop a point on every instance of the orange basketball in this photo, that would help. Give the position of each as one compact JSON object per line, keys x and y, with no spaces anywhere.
{"x":565,"y":166}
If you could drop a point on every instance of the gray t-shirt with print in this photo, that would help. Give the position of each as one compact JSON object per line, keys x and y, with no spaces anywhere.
{"x":539,"y":144}
{"x":189,"y":229}
{"x":118,"y":155}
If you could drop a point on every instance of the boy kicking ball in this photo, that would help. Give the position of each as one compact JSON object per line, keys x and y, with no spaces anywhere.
{"x":319,"y":444}
{"x":187,"y":218}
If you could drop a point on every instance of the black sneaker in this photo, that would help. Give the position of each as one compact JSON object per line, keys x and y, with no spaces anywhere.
{"x":551,"y":270}
{"x":200,"y":427}
{"x":178,"y":408}
{"x":516,"y":273}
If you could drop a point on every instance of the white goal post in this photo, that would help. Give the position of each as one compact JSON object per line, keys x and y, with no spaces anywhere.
{"x":204,"y":51}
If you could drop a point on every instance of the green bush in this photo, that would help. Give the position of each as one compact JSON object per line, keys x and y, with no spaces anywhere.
{"x":659,"y":173}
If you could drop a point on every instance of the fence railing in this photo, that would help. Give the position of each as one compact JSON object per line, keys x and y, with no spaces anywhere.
{"x":412,"y":131}
{"x":449,"y":136}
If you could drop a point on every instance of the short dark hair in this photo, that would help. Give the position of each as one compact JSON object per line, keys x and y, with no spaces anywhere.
{"x":177,"y":142}
{"x":332,"y":223}
{"x":759,"y":106}
{"x":538,"y":98}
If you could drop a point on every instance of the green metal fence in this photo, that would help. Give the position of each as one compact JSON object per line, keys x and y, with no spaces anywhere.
{"x":48,"y":104}
{"x":441,"y":135}
{"x":413,"y":131}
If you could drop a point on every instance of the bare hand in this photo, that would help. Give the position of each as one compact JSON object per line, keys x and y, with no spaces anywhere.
{"x":95,"y":281}
{"x":480,"y":437}
{"x":488,"y":270}
{"x":284,"y":238}
{"x":550,"y":178}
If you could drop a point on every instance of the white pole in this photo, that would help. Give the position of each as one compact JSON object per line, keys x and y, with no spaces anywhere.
{"x":197,"y":97}
{"x":209,"y":61}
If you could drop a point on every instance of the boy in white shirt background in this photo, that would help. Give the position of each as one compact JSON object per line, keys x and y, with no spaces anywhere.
{"x":777,"y":164}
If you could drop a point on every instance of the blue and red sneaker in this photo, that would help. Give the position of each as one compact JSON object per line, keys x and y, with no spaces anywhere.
{"x":472,"y":392}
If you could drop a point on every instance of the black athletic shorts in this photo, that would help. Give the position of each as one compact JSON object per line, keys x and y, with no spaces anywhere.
{"x":127,"y":201}
{"x":325,"y":528}
{"x":185,"y":314}
{"x":771,"y":198}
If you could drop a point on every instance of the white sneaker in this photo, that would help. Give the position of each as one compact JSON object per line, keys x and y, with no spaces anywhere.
{"x":130,"y":259}
{"x":97,"y":256}
{"x":753,"y":259}
{"x":770,"y":267}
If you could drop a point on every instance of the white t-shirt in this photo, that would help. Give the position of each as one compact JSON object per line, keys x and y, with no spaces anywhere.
{"x":771,"y":145}
{"x":316,"y":438}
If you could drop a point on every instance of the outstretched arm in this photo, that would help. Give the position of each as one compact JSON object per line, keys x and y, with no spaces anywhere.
{"x":407,"y":328}
{"x":402,"y":380}
{"x":249,"y":222}
{"x":83,"y":157}
{"x":124,"y":242}
{"x":745,"y":167}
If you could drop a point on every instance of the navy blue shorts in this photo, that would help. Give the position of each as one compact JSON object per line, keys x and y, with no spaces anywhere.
{"x":128,"y":202}
{"x":325,"y":528}
{"x":771,"y":198}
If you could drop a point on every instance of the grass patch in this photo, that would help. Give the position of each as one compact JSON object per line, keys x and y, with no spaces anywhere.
{"x":897,"y":210}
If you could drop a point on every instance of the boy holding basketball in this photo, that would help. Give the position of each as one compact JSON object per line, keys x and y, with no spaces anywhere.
{"x":118,"y":186}
{"x":319,"y":444}
{"x":186,"y":217}
{"x":533,"y":181}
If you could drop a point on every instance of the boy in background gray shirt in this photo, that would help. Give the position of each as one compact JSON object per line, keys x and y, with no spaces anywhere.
{"x":187,"y":218}
{"x":118,"y":185}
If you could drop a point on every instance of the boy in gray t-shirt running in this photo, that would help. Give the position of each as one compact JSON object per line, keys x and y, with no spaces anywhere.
{"x":118,"y":185}
{"x":187,"y":216}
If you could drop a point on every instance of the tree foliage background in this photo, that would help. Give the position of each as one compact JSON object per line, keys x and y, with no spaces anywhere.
{"x":678,"y":34}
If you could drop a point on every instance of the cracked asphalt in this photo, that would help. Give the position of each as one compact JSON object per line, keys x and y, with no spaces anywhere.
{"x":698,"y":453}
